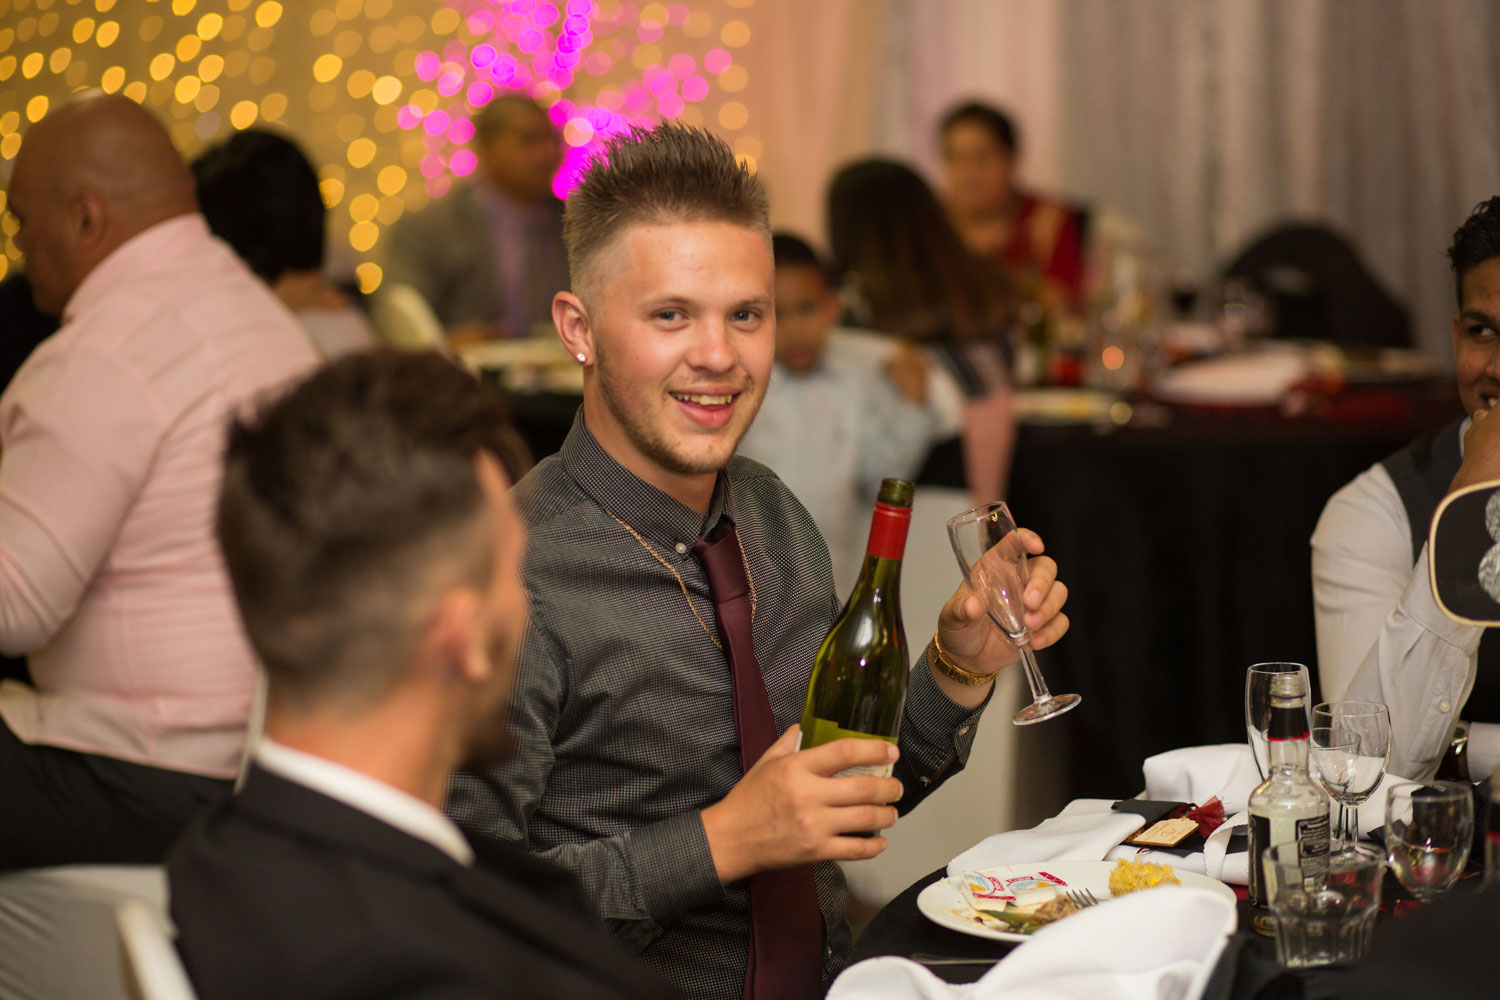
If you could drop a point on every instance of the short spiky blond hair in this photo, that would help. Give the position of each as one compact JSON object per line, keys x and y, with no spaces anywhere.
{"x":670,"y":173}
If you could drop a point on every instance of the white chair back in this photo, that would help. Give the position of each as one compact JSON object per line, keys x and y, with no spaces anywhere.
{"x":147,"y":956}
{"x":403,"y":319}
{"x":57,"y":929}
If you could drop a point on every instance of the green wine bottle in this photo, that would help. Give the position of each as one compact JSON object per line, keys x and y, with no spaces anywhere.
{"x":858,"y":685}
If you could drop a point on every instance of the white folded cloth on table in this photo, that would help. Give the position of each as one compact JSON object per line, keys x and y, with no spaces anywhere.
{"x":1084,"y":831}
{"x":1160,"y":943}
{"x":1197,"y":774}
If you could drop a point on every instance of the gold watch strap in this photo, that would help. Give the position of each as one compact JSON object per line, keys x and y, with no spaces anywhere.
{"x":954,"y":672}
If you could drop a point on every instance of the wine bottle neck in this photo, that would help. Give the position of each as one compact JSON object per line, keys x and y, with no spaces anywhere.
{"x":888,"y":532}
{"x":1288,"y":737}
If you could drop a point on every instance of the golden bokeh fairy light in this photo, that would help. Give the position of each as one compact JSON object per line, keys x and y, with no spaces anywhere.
{"x":340,"y":77}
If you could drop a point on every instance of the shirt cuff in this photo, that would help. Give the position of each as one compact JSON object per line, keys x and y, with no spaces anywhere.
{"x":671,"y":864}
{"x":941,"y":723}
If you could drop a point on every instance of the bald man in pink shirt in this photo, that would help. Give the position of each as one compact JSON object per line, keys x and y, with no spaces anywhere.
{"x":113,"y":435}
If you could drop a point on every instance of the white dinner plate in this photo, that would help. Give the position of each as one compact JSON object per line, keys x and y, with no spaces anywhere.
{"x":944,"y":904}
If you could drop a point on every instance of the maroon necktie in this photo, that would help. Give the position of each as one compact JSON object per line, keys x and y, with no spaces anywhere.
{"x":786,"y":926}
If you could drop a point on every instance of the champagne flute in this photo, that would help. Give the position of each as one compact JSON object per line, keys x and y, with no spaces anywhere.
{"x":1371,"y":720}
{"x":1428,"y":832}
{"x":1333,"y":758}
{"x":1258,"y":706}
{"x":990,"y":552}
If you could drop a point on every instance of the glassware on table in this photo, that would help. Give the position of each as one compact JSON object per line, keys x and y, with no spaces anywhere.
{"x":1258,"y":705}
{"x":1428,"y":831}
{"x":1325,"y":916}
{"x":990,"y":552}
{"x":1371,"y":720}
{"x":1333,"y":759}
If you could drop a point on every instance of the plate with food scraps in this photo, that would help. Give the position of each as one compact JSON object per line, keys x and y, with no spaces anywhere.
{"x":1010,"y":902}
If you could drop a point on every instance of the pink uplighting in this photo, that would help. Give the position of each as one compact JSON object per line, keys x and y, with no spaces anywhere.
{"x":552,"y":50}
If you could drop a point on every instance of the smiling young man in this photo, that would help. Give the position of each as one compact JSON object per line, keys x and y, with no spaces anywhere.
{"x":1381,"y":636}
{"x":679,"y":597}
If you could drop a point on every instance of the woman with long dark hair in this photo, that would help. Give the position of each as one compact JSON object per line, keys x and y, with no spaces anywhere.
{"x":909,"y":274}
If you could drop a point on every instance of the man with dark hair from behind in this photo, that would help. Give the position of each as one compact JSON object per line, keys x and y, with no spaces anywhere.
{"x":375,"y":556}
{"x":488,"y":256}
{"x":260,"y":195}
{"x":1381,"y":634}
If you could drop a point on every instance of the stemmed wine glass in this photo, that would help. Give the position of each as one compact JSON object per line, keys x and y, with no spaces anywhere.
{"x":1258,"y":706}
{"x":990,"y":552}
{"x":1370,"y":721}
{"x":1333,"y":758}
{"x":1428,"y":831}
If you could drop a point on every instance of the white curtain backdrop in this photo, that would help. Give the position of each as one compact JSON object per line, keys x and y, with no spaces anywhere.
{"x":1202,"y":121}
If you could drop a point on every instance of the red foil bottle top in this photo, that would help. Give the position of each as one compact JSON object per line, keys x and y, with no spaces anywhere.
{"x":888,"y":531}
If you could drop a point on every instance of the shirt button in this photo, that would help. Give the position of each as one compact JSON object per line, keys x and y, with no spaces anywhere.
{"x":1444,"y":705}
{"x":682,"y":548}
{"x":963,"y":730}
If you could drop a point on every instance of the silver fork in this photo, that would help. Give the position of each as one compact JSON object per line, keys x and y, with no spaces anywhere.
{"x":1081,"y":898}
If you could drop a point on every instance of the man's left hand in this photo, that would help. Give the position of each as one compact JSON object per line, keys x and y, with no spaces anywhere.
{"x":972,"y":641}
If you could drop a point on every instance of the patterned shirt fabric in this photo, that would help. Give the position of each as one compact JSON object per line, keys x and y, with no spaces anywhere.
{"x":623,"y":711}
{"x":113,"y":435}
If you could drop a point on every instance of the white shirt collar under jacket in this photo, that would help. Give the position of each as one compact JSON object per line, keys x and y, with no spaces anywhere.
{"x":386,"y":803}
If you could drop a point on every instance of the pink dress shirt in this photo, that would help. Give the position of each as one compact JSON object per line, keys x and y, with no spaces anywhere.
{"x":113,"y":436}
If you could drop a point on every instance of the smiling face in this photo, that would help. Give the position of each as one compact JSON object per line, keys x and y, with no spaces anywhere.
{"x":681,"y":336}
{"x":1476,"y":337}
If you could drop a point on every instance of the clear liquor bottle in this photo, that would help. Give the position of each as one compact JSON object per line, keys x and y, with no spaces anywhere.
{"x":1288,"y":807}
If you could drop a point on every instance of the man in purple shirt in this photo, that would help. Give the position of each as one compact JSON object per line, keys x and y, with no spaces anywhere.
{"x":489,"y":257}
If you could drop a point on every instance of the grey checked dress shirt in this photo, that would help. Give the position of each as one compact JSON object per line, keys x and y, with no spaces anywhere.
{"x":623,"y":709}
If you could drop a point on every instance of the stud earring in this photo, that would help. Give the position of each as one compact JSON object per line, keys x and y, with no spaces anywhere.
{"x":582,"y":358}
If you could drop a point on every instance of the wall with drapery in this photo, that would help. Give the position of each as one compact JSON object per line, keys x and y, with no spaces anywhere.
{"x":1201,"y":122}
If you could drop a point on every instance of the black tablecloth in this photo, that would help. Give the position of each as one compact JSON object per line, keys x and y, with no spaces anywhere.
{"x":1186,"y":552}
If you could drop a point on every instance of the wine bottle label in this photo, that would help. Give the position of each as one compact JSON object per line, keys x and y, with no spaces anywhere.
{"x":815,"y":732}
{"x":1309,"y":834}
{"x":888,"y":531}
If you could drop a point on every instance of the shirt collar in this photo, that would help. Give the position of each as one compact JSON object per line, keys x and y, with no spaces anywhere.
{"x":386,"y":803}
{"x":150,"y":246}
{"x":630,"y":498}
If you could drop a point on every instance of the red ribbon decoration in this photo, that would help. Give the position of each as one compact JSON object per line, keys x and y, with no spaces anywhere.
{"x":1209,"y":816}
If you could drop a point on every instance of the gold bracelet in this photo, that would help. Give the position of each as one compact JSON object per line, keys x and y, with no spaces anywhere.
{"x":954,"y":672}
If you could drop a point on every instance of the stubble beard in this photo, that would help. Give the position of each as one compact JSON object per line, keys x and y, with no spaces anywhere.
{"x":648,"y":439}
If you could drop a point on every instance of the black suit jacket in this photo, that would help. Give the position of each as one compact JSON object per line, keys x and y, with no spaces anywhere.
{"x":284,"y":892}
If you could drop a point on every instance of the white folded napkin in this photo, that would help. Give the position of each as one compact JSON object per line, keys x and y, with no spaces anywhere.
{"x":1197,"y":774}
{"x":1162,"y":942}
{"x":1258,"y":378}
{"x":1214,"y":860}
{"x":1084,"y":831}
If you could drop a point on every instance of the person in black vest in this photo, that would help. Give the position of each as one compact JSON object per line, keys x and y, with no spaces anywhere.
{"x":1381,"y":635}
{"x":376,"y":560}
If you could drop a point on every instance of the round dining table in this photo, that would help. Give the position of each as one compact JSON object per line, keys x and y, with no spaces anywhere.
{"x":1247,"y":969}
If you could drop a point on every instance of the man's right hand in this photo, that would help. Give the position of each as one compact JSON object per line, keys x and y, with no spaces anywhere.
{"x":1481,"y":453}
{"x":790,"y":810}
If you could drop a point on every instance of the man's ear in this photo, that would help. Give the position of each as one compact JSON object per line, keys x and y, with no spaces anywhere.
{"x":90,"y":217}
{"x":453,"y":642}
{"x":574,"y":326}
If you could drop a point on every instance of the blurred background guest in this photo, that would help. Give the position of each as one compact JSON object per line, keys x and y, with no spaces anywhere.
{"x":260,"y":195}
{"x":1042,"y":240}
{"x":488,"y":257}
{"x":843,"y":409}
{"x":908,"y":274}
{"x":112,"y":433}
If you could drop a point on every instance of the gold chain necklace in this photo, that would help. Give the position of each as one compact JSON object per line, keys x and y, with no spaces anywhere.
{"x":683,"y":584}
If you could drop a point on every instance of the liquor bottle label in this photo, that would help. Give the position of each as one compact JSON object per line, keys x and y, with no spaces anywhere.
{"x":1309,"y":834}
